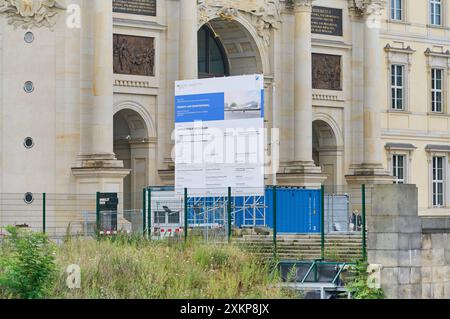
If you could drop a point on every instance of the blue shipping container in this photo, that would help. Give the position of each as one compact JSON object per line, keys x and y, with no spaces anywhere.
{"x":298,"y":210}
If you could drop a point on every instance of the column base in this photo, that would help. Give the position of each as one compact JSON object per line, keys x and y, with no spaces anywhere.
{"x":369,"y":174}
{"x":99,"y":161}
{"x":301,"y":174}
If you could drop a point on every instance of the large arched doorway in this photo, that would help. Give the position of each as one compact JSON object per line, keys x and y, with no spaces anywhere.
{"x":226,"y":48}
{"x":327,"y":153}
{"x":132,"y":146}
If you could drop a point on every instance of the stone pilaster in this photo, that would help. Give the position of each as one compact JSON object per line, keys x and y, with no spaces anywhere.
{"x":188,"y":40}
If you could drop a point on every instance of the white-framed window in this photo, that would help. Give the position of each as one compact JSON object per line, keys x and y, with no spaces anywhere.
{"x":399,"y":168}
{"x":397,"y":87}
{"x":437,"y":91}
{"x":438,"y":181}
{"x":397,"y":10}
{"x":436,"y":12}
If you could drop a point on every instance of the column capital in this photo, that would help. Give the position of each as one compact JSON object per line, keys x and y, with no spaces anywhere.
{"x":303,"y":5}
{"x":367,"y":7}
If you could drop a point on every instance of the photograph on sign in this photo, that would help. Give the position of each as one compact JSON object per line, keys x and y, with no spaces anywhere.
{"x":219,"y":136}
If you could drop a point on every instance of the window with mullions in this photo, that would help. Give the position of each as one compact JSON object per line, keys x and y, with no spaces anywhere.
{"x":397,"y":10}
{"x":438,"y":181}
{"x":399,"y":169}
{"x":397,"y":87}
{"x":436,"y":12}
{"x":436,"y":90}
{"x":212,"y":60}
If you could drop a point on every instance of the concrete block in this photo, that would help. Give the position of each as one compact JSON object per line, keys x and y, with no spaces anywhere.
{"x":438,"y":256}
{"x":427,"y":277}
{"x":407,"y":224}
{"x":387,"y":258}
{"x":426,"y":291}
{"x":447,"y":273}
{"x":409,"y":291}
{"x":439,"y":240}
{"x":447,"y":256}
{"x":390,"y":291}
{"x":426,"y":241}
{"x":447,"y":290}
{"x":416,"y":275}
{"x":438,"y":290}
{"x":409,"y":241}
{"x":386,"y":241}
{"x":410,"y":258}
{"x":389,"y":276}
{"x":433,"y":223}
{"x":383,"y":224}
{"x":404,"y":276}
{"x":438,"y":274}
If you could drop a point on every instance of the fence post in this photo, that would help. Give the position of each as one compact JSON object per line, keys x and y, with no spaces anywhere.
{"x":229,"y":214}
{"x":144,"y":225}
{"x":322,"y":222}
{"x":364,"y":239}
{"x":275,"y":220}
{"x":149,"y":214}
{"x":44,"y":212}
{"x":97,"y":212}
{"x":185,"y":214}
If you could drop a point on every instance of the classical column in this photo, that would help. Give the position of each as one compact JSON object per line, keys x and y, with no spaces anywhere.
{"x":303,"y":83}
{"x":97,"y":169}
{"x":371,"y":171}
{"x":97,"y":110}
{"x":188,"y":40}
{"x":302,"y":171}
{"x":372,"y":84}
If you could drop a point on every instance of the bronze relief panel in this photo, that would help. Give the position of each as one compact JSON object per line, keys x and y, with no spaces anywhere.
{"x":134,"y":55}
{"x":326,"y":72}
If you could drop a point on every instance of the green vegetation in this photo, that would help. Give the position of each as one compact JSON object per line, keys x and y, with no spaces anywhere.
{"x":27,"y":265}
{"x":131,"y":267}
{"x":358,"y":284}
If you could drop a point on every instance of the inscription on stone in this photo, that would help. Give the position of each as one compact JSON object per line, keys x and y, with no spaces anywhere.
{"x":326,"y":72}
{"x":326,"y":21}
{"x":134,"y":55}
{"x":141,"y":7}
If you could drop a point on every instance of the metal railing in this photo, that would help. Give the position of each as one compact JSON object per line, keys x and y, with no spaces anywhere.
{"x":160,"y":213}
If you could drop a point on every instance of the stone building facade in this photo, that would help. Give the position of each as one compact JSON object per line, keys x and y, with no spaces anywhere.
{"x":358,"y":88}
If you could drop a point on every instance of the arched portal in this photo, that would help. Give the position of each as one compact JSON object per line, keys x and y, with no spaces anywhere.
{"x":226,"y":48}
{"x":327,"y":153}
{"x":132,"y":146}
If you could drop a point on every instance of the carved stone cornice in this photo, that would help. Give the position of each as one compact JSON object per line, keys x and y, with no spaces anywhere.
{"x":31,"y":13}
{"x":264,"y":16}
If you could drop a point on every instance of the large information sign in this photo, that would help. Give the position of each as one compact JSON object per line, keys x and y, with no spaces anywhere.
{"x":219,"y":136}
{"x":140,"y":7}
{"x":327,"y":21}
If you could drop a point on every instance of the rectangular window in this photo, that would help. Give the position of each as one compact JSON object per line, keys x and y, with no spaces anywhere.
{"x":436,"y":90}
{"x":399,"y":169}
{"x":397,"y":10}
{"x":435,"y":12}
{"x":397,"y":87}
{"x":438,"y":181}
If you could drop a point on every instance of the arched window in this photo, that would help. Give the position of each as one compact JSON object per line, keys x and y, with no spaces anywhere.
{"x":212,"y":60}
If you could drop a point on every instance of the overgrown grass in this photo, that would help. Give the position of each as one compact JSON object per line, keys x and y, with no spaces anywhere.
{"x":133,"y":268}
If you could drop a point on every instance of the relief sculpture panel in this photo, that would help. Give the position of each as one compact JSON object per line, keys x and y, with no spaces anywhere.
{"x":326,"y":72}
{"x":134,"y":55}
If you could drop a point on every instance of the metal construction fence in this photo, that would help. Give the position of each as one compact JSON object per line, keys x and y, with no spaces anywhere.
{"x":219,"y":215}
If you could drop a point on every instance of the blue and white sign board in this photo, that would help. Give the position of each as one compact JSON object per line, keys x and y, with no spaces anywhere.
{"x":219,"y":136}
